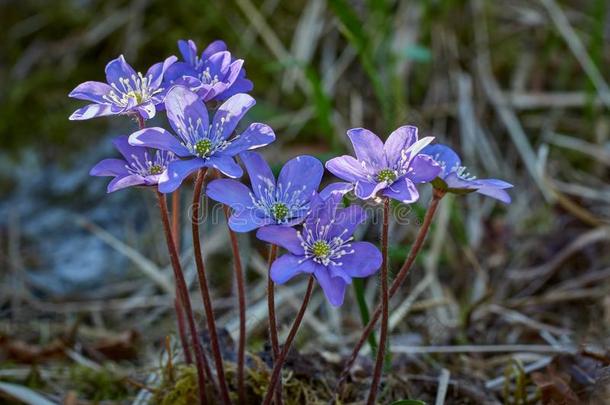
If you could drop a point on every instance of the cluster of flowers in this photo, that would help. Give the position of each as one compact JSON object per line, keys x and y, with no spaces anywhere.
{"x":291,"y":212}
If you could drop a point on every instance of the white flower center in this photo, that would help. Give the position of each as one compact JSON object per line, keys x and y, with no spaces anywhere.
{"x":150,"y":166}
{"x":203,"y":141}
{"x":206,"y":77}
{"x":136,"y":87}
{"x":322,"y":248}
{"x":281,"y":204}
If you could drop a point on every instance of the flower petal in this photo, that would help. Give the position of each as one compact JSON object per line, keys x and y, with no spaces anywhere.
{"x":218,"y":63}
{"x":455,"y":181}
{"x":177,"y":73}
{"x":333,"y":287}
{"x":177,"y":171}
{"x":188,"y":49}
{"x":346,"y":220}
{"x":402,"y":190}
{"x":118,"y":69}
{"x":230,"y":113}
{"x":494,"y":183}
{"x":287,"y":266}
{"x":184,"y":110}
{"x":423,"y":169}
{"x":233,"y":72}
{"x":322,"y":212}
{"x":109,"y":167}
{"x":497,"y":193}
{"x":259,"y":172}
{"x":247,"y":220}
{"x":129,"y":152}
{"x":94,"y":110}
{"x":398,"y":141}
{"x":301,"y":174}
{"x":346,"y":168}
{"x":230,"y":192}
{"x":366,"y":189}
{"x":147,"y":110}
{"x":364,"y":262}
{"x":157,"y":71}
{"x":284,"y":236}
{"x":444,"y":156}
{"x":339,"y":187}
{"x":226,"y":165}
{"x":121,"y":182}
{"x":91,"y":91}
{"x":240,"y":85}
{"x":212,"y":48}
{"x":158,"y":138}
{"x":416,"y":148}
{"x":255,"y":136}
{"x":368,"y":147}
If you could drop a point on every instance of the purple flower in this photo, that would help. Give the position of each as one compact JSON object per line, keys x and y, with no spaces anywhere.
{"x":139,"y":166}
{"x":324,"y":247}
{"x":199,"y":143}
{"x":455,"y":178}
{"x":214,"y":75}
{"x":126,"y":91}
{"x":392,"y":168}
{"x":282,"y":202}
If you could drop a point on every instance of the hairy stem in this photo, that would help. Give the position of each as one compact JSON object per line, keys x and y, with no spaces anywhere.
{"x":275,"y":344}
{"x":183,"y":296}
{"x":277,"y":367}
{"x":241,"y":298}
{"x":383,"y":335}
{"x":396,"y":284}
{"x":205,"y":291}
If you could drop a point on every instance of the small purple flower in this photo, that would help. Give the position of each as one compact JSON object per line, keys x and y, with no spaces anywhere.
{"x":126,"y":91}
{"x":392,"y":168}
{"x":282,"y":202}
{"x":455,"y":178}
{"x":199,"y":143}
{"x":140,"y":167}
{"x":214,"y":75}
{"x":324,"y":247}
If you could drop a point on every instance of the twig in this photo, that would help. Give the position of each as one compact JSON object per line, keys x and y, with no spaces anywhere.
{"x":578,"y":49}
{"x":443,"y":383}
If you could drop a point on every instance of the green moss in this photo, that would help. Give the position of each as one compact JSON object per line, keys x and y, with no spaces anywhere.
{"x":97,"y":385}
{"x":179,"y":390}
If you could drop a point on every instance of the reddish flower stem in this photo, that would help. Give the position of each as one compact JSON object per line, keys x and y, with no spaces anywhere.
{"x":383,"y":336}
{"x":205,"y":292}
{"x":241,"y":298}
{"x":277,"y":367}
{"x":275,"y":342}
{"x":176,"y":217}
{"x":182,"y":329}
{"x":178,"y":307}
{"x":183,"y":295}
{"x":396,"y":284}
{"x":179,"y":310}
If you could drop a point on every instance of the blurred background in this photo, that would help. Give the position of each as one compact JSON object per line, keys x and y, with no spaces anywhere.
{"x":519,"y":88}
